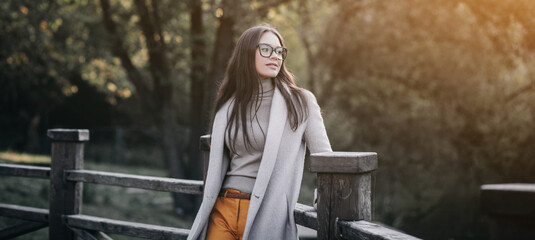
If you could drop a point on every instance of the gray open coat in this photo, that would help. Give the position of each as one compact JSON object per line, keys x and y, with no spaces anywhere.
{"x":275,"y":193}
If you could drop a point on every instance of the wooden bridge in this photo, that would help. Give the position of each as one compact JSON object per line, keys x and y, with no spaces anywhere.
{"x":344,"y":183}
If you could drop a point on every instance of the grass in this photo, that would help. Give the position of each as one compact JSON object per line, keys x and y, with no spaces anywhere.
{"x":128,"y":204}
{"x":24,"y":158}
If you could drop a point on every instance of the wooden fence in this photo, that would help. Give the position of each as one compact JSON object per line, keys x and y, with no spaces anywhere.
{"x":510,"y":208}
{"x":343,"y":181}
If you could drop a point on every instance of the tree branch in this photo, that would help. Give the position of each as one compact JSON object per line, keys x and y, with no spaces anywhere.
{"x":305,"y":24}
{"x":519,"y":92}
{"x":145,"y":93}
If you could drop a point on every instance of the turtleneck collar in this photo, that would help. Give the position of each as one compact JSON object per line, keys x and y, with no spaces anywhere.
{"x":267,"y":86}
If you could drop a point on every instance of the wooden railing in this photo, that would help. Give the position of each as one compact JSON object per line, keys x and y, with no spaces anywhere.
{"x":510,"y":208}
{"x":343,"y":181}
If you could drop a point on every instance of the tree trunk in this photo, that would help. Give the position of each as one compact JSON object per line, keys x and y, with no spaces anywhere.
{"x":223,"y":47}
{"x":163,"y":93}
{"x":304,"y":36}
{"x":199,"y":115}
{"x":157,"y":102}
{"x":182,"y":204}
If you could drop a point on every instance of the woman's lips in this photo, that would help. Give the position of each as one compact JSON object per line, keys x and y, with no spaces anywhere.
{"x":272,"y":65}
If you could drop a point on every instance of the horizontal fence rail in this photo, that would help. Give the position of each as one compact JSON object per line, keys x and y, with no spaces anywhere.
{"x":24,"y":171}
{"x":136,"y":181}
{"x":364,"y":230}
{"x":90,"y":234}
{"x":510,"y":208}
{"x":21,"y":229}
{"x":24,"y":213}
{"x":109,"y":178}
{"x":306,"y":216}
{"x":124,"y":227}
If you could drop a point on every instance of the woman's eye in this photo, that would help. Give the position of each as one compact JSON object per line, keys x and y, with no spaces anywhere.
{"x":265,"y":50}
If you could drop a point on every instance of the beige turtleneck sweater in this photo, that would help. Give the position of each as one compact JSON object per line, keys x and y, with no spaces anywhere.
{"x":244,"y":163}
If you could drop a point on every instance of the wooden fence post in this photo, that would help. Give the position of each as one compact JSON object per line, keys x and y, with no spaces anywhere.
{"x":344,"y":186}
{"x":65,"y":197}
{"x":205,"y":155}
{"x":511,"y":209}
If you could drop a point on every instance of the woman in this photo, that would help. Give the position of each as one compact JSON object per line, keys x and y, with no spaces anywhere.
{"x":262,"y":124}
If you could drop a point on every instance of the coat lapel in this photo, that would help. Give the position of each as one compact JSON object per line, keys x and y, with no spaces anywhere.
{"x":218,"y":165}
{"x":277,"y":121}
{"x":217,"y":169}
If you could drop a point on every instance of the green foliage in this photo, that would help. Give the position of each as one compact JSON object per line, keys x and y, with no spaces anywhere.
{"x":43,"y":46}
{"x":433,"y":87}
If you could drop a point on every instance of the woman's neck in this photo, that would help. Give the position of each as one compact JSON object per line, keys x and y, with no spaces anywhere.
{"x":266,"y":85}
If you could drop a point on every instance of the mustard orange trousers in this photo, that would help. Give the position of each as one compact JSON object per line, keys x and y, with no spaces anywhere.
{"x":228,"y":217}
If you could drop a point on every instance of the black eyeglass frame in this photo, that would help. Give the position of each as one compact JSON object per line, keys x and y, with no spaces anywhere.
{"x":272,"y":49}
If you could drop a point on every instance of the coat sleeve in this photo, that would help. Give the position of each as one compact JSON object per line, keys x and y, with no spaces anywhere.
{"x":315,"y":133}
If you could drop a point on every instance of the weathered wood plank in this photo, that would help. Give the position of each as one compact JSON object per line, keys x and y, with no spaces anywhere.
{"x":306,"y":216}
{"x":21,"y":229}
{"x":83,"y":234}
{"x":365,"y":230}
{"x":205,"y":142}
{"x":205,"y":154}
{"x":516,"y":199}
{"x":351,"y":197}
{"x":68,"y":135}
{"x":343,"y":162}
{"x":24,"y":171}
{"x":24,"y":213}
{"x":100,"y":235}
{"x":65,"y":198}
{"x":344,"y":188}
{"x":511,"y":209}
{"x":125,"y":228}
{"x":90,"y":234}
{"x":136,"y":181}
{"x":325,"y":219}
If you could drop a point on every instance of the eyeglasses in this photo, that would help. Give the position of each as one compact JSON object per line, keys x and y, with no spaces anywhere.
{"x":266,"y":50}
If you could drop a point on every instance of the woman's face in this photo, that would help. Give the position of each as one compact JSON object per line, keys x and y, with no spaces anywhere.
{"x":268,"y":67}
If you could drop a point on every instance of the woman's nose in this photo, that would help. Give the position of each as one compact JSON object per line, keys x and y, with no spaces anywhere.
{"x":276,"y":56}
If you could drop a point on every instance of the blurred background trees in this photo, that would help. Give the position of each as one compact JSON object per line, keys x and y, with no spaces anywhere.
{"x":443,"y":90}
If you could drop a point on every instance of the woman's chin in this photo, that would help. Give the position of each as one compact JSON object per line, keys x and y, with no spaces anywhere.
{"x":264,"y":77}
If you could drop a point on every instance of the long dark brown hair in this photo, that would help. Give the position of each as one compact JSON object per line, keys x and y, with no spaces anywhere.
{"x":242,"y":82}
